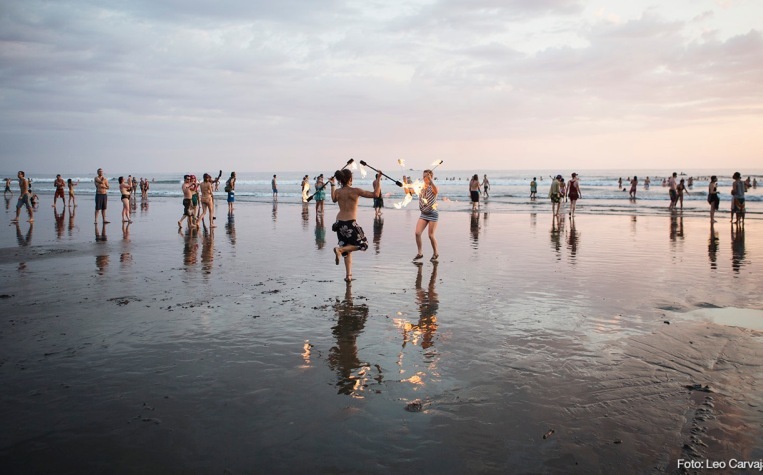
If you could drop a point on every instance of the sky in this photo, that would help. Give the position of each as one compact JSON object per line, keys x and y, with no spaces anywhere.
{"x":288,"y":85}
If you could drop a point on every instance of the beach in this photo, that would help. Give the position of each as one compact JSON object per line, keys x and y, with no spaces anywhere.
{"x":620,"y":341}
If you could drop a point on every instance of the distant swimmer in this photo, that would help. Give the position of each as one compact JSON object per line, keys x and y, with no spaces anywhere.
{"x":634,"y":185}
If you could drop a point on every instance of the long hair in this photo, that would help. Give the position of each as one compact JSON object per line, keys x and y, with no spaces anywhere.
{"x":343,"y":176}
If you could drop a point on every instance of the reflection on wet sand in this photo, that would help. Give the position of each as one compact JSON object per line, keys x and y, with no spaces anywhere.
{"x":100,"y":233}
{"x":572,"y":240}
{"x":352,"y":374}
{"x":556,"y":235}
{"x":207,"y":251}
{"x":190,"y":247}
{"x":7,"y":203}
{"x":737,"y":248}
{"x":230,"y":230}
{"x":24,"y":240}
{"x":676,"y":227}
{"x":305,"y":215}
{"x":60,"y":225}
{"x":275,"y":210}
{"x":101,"y":263}
{"x":143,"y":205}
{"x":474,"y":228}
{"x":72,"y":224}
{"x":378,"y":227}
{"x":126,"y":231}
{"x":712,"y":247}
{"x":320,"y":232}
{"x":429,"y":304}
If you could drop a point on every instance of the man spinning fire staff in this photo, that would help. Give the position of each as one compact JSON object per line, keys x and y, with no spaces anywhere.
{"x":350,"y":235}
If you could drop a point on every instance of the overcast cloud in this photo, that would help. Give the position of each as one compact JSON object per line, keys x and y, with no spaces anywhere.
{"x":170,"y":85}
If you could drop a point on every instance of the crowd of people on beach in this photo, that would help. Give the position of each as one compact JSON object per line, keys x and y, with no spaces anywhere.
{"x":199,"y":200}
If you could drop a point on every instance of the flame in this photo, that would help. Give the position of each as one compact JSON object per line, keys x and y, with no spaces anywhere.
{"x":415,"y":188}
{"x":363,"y":172}
{"x":434,"y":164}
{"x":401,"y":162}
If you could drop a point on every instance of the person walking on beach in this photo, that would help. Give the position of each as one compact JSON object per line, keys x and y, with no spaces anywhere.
{"x":485,"y":186}
{"x":574,"y":193}
{"x":207,"y":199}
{"x":737,"y":198}
{"x":125,"y":190}
{"x":230,"y":188}
{"x":101,"y":195}
{"x":8,"y":187}
{"x":378,"y":201}
{"x":474,"y":191}
{"x":59,"y":183}
{"x":71,"y":186}
{"x":429,"y":215}
{"x":634,"y":185}
{"x":533,"y":189}
{"x":350,"y":236}
{"x":712,"y":197}
{"x":680,"y":190}
{"x":187,"y":193}
{"x":673,"y":191}
{"x":24,"y":198}
{"x":320,"y":194}
{"x":274,"y":187}
{"x":555,"y":194}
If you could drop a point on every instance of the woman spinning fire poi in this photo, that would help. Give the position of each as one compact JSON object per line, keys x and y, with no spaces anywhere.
{"x":350,"y":235}
{"x":429,"y":214}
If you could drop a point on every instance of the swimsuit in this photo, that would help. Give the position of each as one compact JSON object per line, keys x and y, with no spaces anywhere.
{"x":186,"y":206}
{"x":350,"y":234}
{"x":231,"y":196}
{"x":428,"y":205}
{"x":23,"y":200}
{"x":475,"y":196}
{"x":573,"y":194}
{"x":379,"y":202}
{"x":125,"y":197}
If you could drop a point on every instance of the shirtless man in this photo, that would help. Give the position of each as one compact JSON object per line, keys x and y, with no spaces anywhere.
{"x":24,"y":199}
{"x":101,"y":196}
{"x":59,"y":183}
{"x":8,"y":187}
{"x":350,"y":235}
{"x":673,"y":191}
{"x":187,"y":196}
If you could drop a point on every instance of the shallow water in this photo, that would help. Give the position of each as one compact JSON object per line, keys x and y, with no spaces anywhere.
{"x":243,"y":350}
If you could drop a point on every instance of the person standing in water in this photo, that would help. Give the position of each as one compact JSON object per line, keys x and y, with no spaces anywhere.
{"x":25,"y":198}
{"x":350,"y":236}
{"x":574,"y":193}
{"x":712,"y":197}
{"x":101,"y":195}
{"x":634,"y":184}
{"x":429,"y":215}
{"x":533,"y":189}
{"x":555,"y":194}
{"x":230,"y":188}
{"x":59,"y":183}
{"x":378,"y":202}
{"x":486,"y":186}
{"x":474,"y":191}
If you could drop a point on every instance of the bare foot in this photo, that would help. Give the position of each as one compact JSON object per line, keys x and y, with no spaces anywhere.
{"x":106,"y":222}
{"x":336,"y":255}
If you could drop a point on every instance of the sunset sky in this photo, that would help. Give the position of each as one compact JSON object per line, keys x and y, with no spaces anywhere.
{"x":167,"y":85}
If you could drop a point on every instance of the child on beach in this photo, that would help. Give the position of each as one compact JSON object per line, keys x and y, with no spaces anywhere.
{"x":350,"y":235}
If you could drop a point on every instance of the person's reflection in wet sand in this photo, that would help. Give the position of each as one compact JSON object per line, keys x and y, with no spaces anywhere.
{"x":230,"y":229}
{"x":676,"y":227}
{"x":474,"y":228}
{"x":737,"y":248}
{"x":24,"y":240}
{"x":143,"y":205}
{"x":126,"y":231}
{"x":7,"y":203}
{"x":320,"y":231}
{"x":100,"y":236}
{"x":102,"y":263}
{"x":275,"y":210}
{"x":712,"y":247}
{"x":556,"y":235}
{"x":378,"y":228}
{"x":72,"y":224}
{"x":190,"y":247}
{"x":572,"y":239}
{"x":352,"y":373}
{"x":60,"y":225}
{"x":533,"y":220}
{"x":305,"y":215}
{"x":207,"y":251}
{"x":429,"y":304}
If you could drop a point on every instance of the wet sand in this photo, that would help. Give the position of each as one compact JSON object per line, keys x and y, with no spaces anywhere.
{"x":630,"y":342}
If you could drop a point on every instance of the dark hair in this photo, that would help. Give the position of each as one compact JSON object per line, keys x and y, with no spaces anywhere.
{"x":713,"y":178}
{"x":343,"y":176}
{"x":121,"y":179}
{"x":475,"y":177}
{"x":737,"y":175}
{"x":69,"y":181}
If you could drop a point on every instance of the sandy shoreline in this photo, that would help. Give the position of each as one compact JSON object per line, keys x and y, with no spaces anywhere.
{"x":243,"y":350}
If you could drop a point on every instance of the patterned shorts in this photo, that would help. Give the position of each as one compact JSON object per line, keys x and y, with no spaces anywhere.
{"x":350,"y":234}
